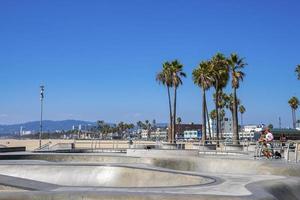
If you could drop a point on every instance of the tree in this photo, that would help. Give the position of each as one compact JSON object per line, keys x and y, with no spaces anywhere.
{"x":202,"y":77}
{"x":171,"y":77}
{"x":297,"y":70}
{"x":242,"y":110}
{"x":100,"y":125}
{"x":165,"y":78}
{"x":220,"y":77}
{"x":177,"y":75}
{"x":178,"y":120}
{"x":213,"y":116}
{"x":140,"y":124}
{"x":148,"y":128}
{"x":236,"y":64}
{"x":294,"y":104}
{"x":270,"y":126}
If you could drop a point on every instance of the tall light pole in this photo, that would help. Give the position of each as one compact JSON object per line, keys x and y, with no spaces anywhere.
{"x":41,"y":122}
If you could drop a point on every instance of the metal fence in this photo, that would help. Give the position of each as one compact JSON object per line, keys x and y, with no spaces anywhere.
{"x":289,"y":151}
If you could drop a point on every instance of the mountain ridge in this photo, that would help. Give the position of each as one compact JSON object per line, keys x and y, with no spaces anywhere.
{"x":48,"y":126}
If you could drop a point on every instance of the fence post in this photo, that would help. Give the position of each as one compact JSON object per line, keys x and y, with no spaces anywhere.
{"x":287,"y":153}
{"x":296,"y":153}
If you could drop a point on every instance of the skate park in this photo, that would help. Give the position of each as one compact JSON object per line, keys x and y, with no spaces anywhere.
{"x":146,"y":174}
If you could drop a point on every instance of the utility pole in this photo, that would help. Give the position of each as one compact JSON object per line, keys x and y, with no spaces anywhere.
{"x":41,"y":122}
{"x":279,"y":122}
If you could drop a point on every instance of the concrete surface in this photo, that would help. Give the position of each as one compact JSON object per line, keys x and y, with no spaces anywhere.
{"x":48,"y":176}
{"x":100,"y":176}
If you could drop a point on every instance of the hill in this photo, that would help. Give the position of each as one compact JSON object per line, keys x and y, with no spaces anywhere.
{"x":48,"y":126}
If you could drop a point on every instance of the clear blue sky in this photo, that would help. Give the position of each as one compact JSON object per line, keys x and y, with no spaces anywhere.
{"x":98,"y":59}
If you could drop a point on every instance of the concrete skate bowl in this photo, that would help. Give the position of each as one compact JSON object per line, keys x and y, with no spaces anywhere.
{"x":102,"y":176}
{"x":236,"y":178}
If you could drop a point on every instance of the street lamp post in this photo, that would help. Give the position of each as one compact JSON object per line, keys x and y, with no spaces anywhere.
{"x":41,"y":122}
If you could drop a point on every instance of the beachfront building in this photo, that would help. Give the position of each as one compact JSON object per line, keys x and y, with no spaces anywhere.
{"x":158,"y":134}
{"x":181,"y":128}
{"x":192,"y":135}
{"x":144,"y":134}
{"x":226,"y":128}
{"x":248,"y":131}
{"x":225,"y":131}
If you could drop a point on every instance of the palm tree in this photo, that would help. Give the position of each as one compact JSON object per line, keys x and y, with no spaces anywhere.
{"x":220,"y":76}
{"x":100,"y":125}
{"x":236,"y":64}
{"x":208,"y":122}
{"x":213,"y":116}
{"x":177,"y":74}
{"x":297,"y":70}
{"x":164,"y":78}
{"x":229,"y":100}
{"x":178,"y":120}
{"x":294,"y":103}
{"x":148,"y":128}
{"x":203,"y":78}
{"x":222,"y":114}
{"x":242,"y":110}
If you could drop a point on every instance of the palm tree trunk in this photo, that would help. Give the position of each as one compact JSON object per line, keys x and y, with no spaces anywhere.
{"x":217,"y":114}
{"x":203,"y":116}
{"x":208,"y":120}
{"x":235,"y":119}
{"x":242,"y":119}
{"x":170,"y":113}
{"x":174,"y":115}
{"x":294,"y":118}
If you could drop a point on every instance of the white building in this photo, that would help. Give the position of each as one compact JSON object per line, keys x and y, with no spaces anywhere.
{"x":144,"y":134}
{"x":192,"y":134}
{"x":159,"y":134}
{"x":254,"y":128}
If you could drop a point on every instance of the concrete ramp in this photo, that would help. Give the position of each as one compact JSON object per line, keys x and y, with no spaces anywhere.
{"x":102,"y":176}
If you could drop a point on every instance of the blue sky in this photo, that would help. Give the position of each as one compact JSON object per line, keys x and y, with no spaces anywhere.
{"x":98,"y":59}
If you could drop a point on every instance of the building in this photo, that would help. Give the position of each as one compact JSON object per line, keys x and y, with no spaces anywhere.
{"x":248,"y":131}
{"x":254,"y":128}
{"x":144,"y":134}
{"x":226,"y":128}
{"x":192,"y":135}
{"x":159,"y":134}
{"x":180,"y":128}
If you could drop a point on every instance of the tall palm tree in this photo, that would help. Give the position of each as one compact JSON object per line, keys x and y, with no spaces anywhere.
{"x":176,"y":76}
{"x":220,"y":76}
{"x":297,"y":70}
{"x":165,"y":78}
{"x":203,"y":78}
{"x":294,"y":103}
{"x":236,"y":65}
{"x":242,"y":110}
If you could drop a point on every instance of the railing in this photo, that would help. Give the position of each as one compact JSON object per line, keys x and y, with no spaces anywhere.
{"x":44,"y":147}
{"x":289,"y":151}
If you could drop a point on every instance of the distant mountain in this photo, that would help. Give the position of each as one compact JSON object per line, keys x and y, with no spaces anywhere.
{"x":48,"y":125}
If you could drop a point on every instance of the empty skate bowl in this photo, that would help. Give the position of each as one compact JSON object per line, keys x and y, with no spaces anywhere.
{"x":102,"y":176}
